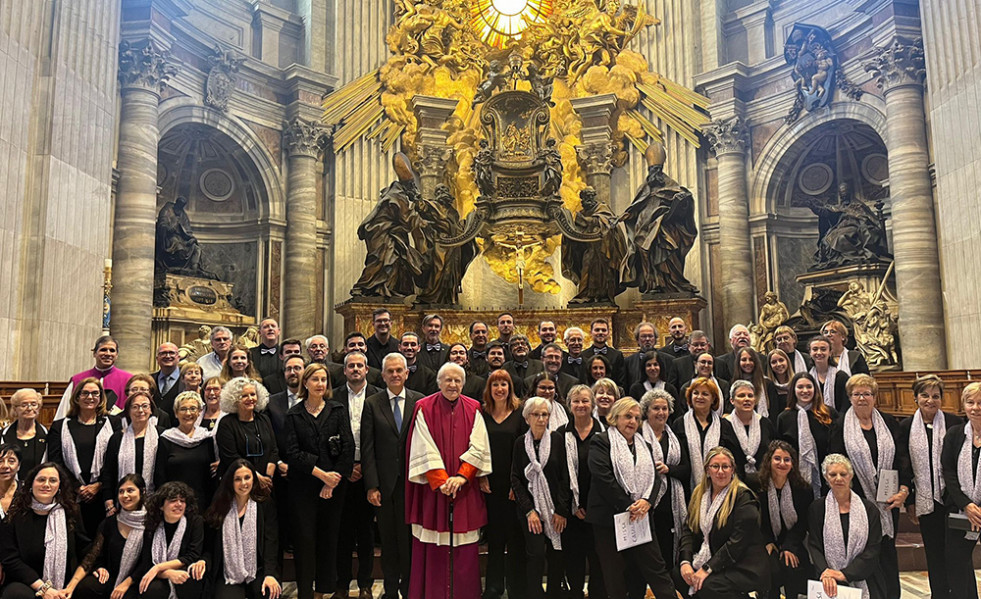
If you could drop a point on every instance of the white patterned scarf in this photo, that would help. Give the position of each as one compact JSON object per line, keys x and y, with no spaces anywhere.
{"x":679,"y":508}
{"x":134,"y":542}
{"x":572,"y":463}
{"x":70,"y":454}
{"x":127,"y":453}
{"x":161,"y":551}
{"x":179,"y":437}
{"x":861,"y":457}
{"x":55,"y":542}
{"x":706,"y":518}
{"x":781,"y":508}
{"x":810,"y":469}
{"x":635,"y":472}
{"x":927,"y":476}
{"x":557,"y":417}
{"x":763,"y":403}
{"x":748,"y":441}
{"x":844,"y":363}
{"x":538,"y":484}
{"x":696,"y":447}
{"x":239,"y":541}
{"x":828,"y":388}
{"x":800,"y":365}
{"x":970,"y":485}
{"x":838,"y":554}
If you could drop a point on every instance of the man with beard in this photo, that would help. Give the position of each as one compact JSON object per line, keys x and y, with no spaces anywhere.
{"x":478,"y":348}
{"x":474,"y":386}
{"x":420,"y":378}
{"x":356,"y":342}
{"x":279,"y":405}
{"x":318,"y":348}
{"x":552,"y":359}
{"x":381,"y":343}
{"x":521,"y":366}
{"x":434,"y":352}
{"x":677,"y":345}
{"x":547,"y":333}
{"x":599,"y":331}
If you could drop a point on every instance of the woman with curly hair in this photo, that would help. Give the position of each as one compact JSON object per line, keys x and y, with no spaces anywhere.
{"x":41,"y":535}
{"x":247,"y":432}
{"x":242,"y":537}
{"x":784,"y":501}
{"x":173,"y":543}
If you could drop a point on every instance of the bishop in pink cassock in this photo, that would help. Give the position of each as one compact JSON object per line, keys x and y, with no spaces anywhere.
{"x":448,"y":452}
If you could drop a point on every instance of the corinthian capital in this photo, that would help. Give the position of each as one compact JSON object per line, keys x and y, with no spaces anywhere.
{"x":898,"y":64}
{"x":431,"y":160}
{"x":727,"y":135}
{"x":596,"y":157}
{"x":144,"y":64}
{"x":303,"y":138}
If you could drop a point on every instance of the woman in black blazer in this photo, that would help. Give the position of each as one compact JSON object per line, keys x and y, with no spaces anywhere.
{"x":545,"y":514}
{"x":173,"y":546}
{"x":831,"y":381}
{"x":320,"y":452}
{"x":784,"y":503}
{"x":240,"y":502}
{"x":722,"y":554}
{"x":655,"y":369}
{"x":624,"y":480}
{"x":45,"y":502}
{"x":749,"y":367}
{"x":753,"y":431}
{"x":804,"y":406}
{"x":247,"y":432}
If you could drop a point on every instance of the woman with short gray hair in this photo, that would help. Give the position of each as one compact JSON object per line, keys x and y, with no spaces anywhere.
{"x":187,"y":451}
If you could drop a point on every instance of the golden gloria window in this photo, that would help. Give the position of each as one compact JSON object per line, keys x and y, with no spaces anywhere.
{"x":499,"y":21}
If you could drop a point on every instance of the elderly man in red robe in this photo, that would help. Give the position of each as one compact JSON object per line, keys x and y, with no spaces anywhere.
{"x":448,"y":456}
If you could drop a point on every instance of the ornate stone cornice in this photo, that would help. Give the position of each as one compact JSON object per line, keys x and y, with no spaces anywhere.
{"x":144,"y":64}
{"x":431,"y":160}
{"x":898,"y":64}
{"x":304,"y":138}
{"x":727,"y":136}
{"x":596,"y":158}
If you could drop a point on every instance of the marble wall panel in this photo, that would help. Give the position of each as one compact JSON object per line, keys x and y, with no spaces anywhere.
{"x":236,"y":263}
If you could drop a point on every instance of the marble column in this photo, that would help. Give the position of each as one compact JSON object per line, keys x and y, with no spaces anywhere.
{"x":432,"y":153}
{"x":899,"y":72}
{"x":144,"y":69}
{"x":728,"y":138}
{"x":302,"y":139}
{"x":596,"y":152}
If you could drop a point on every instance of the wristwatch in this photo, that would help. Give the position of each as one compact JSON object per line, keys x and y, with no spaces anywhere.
{"x":708,"y":569}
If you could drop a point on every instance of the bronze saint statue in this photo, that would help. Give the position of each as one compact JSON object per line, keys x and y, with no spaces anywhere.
{"x":850,"y":232}
{"x":552,"y":173}
{"x":393,"y":263}
{"x":483,"y":176}
{"x":445,"y":266}
{"x":660,"y":231}
{"x":177,"y":249}
{"x":593,"y":266}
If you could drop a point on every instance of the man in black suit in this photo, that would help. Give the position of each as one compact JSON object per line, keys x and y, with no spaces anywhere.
{"x":275,"y":382}
{"x":547,"y":334}
{"x":684,"y":367}
{"x":573,"y":362}
{"x":318,"y":349}
{"x":599,"y":331}
{"x":505,"y":328}
{"x":357,"y":529}
{"x":677,"y":345}
{"x":168,"y":378}
{"x":786,"y":340}
{"x":381,"y":343}
{"x":725,"y":365}
{"x":477,"y":355}
{"x":265,"y":356}
{"x":521,"y":366}
{"x":646,"y":336}
{"x":434,"y":352}
{"x":279,"y":404}
{"x":384,"y":428}
{"x":420,"y":378}
{"x":474,"y":385}
{"x":552,"y":358}
{"x":357,"y":342}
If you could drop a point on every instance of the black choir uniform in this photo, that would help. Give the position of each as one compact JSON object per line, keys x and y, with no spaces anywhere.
{"x":618,"y":368}
{"x":519,"y":371}
{"x":865,"y":566}
{"x":421,"y":379}
{"x":794,"y":580}
{"x":376,"y":350}
{"x":433,"y":355}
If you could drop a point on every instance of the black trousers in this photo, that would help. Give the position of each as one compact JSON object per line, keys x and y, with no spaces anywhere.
{"x":960,"y":565}
{"x":90,"y":588}
{"x":316,"y":525}
{"x":249,"y":590}
{"x":160,"y":589}
{"x":396,"y":543}
{"x":281,"y":495}
{"x":793,"y":580}
{"x":539,"y":555}
{"x":889,"y":561}
{"x":357,"y":531}
{"x":17,"y":590}
{"x":644,"y":559}
{"x":933,"y":529}
{"x":578,"y":546}
{"x":505,"y":548}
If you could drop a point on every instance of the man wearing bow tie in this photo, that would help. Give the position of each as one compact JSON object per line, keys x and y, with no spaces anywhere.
{"x":434,"y":352}
{"x":419,"y":378}
{"x":599,"y":330}
{"x":384,"y":427}
{"x":521,"y":366}
{"x":265,"y":356}
{"x":478,"y":349}
{"x":572,"y":363}
{"x":552,"y":360}
{"x":677,"y":345}
{"x":547,"y":334}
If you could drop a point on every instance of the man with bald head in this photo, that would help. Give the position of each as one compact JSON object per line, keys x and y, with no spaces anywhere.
{"x":167,"y":377}
{"x":318,"y":350}
{"x":677,"y":345}
{"x":725,"y":365}
{"x":265,"y":356}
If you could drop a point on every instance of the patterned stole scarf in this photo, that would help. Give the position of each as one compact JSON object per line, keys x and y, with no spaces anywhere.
{"x":828,"y":389}
{"x":70,"y":454}
{"x":838,"y":553}
{"x":179,"y":437}
{"x":706,"y":518}
{"x":748,"y":441}
{"x":930,"y":484}
{"x":572,"y":463}
{"x":240,"y":545}
{"x":679,"y":509}
{"x":538,"y":484}
{"x":696,"y":448}
{"x":970,"y":484}
{"x":557,"y":417}
{"x":635,"y":472}
{"x":127,"y":453}
{"x":763,"y":403}
{"x":844,"y":363}
{"x":55,"y":542}
{"x":809,"y":467}
{"x":861,"y":456}
{"x":799,"y":364}
{"x":161,"y":551}
{"x":134,"y":542}
{"x":782,"y":511}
